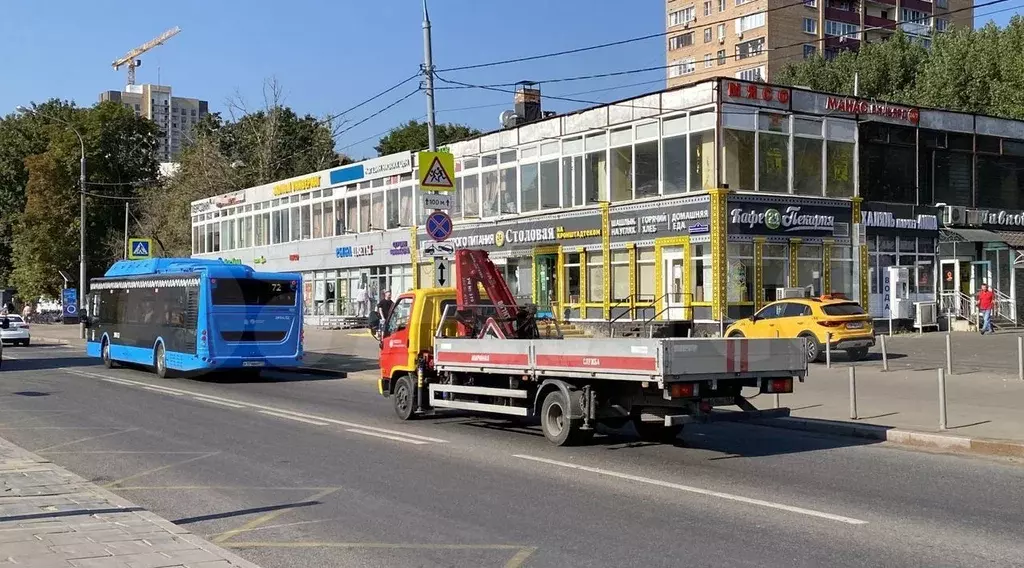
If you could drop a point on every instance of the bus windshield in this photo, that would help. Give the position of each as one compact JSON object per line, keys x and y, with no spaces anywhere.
{"x":252,"y":292}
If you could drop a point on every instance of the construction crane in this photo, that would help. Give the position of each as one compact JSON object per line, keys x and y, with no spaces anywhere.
{"x":129,"y":58}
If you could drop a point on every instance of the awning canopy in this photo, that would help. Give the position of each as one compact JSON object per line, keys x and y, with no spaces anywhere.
{"x":950,"y":235}
{"x":1013,"y":238}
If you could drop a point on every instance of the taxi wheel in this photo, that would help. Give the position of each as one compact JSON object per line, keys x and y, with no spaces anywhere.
{"x":857,"y":354}
{"x":736,"y":334}
{"x":814,"y":350}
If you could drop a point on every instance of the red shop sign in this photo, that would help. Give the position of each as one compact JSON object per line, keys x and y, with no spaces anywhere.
{"x":293,"y":257}
{"x":858,"y":106}
{"x":754,"y":92}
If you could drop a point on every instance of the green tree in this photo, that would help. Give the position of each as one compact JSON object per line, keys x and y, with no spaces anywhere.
{"x":46,"y":239}
{"x":413,"y":136}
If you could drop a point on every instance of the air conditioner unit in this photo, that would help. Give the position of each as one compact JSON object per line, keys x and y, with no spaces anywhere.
{"x":721,"y":40}
{"x":976,"y":216}
{"x":954,"y":215}
{"x":784,"y":293}
{"x":739,"y":35}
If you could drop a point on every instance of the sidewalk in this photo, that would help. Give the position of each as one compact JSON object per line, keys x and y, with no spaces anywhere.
{"x":50,"y":518}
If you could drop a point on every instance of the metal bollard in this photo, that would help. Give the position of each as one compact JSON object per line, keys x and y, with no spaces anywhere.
{"x":853,"y":393}
{"x":1020,"y":358}
{"x":885,"y":354}
{"x":778,"y":401}
{"x":942,"y":399}
{"x":949,"y":355}
{"x":828,"y":350}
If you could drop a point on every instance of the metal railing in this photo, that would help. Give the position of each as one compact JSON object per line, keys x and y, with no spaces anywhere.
{"x":638,"y":301}
{"x":1005,"y":308}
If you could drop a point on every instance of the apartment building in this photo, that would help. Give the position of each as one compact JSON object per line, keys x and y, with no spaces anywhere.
{"x":174,"y":115}
{"x":754,"y":39}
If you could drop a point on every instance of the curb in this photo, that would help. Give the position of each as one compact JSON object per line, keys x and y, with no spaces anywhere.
{"x":908,"y":438}
{"x":143,"y":513}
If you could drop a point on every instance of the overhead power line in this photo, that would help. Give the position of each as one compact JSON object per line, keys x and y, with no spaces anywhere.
{"x":695,"y":22}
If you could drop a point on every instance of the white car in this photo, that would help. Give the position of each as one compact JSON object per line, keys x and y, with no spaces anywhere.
{"x":16,"y":332}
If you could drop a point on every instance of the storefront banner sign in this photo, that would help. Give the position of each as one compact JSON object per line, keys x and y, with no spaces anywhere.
{"x":803,"y":219}
{"x":1003,"y":218}
{"x":889,"y":220}
{"x":676,"y":218}
{"x":384,"y":166}
{"x":578,"y":231}
{"x":756,"y":93}
{"x":230,"y":199}
{"x":399,"y":248}
{"x":353,"y":251}
{"x":885,"y":110}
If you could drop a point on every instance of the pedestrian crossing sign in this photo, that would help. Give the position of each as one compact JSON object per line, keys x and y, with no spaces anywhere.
{"x":437,"y":171}
{"x":140,"y":249}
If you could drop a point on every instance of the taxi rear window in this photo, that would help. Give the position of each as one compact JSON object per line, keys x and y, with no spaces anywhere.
{"x":850,"y":309}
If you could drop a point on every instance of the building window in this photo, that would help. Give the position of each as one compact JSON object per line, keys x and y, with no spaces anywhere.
{"x":749,"y":22}
{"x":531,"y":188}
{"x":721,"y":5}
{"x":700,"y":272}
{"x":707,"y":8}
{"x":808,"y":268}
{"x":707,"y":35}
{"x":595,"y":276}
{"x":620,"y":275}
{"x":680,"y":17}
{"x":741,"y":272}
{"x":721,"y":57}
{"x":774,"y":270}
{"x":742,"y":2}
{"x":550,"y":192}
{"x":471,"y":196}
{"x":572,"y":278}
{"x":645,"y":275}
{"x":809,"y":50}
{"x":681,"y":41}
{"x":841,"y":29}
{"x":811,"y":3}
{"x":708,"y":61}
{"x":941,"y":25}
{"x":808,"y":146}
{"x":645,"y":167}
{"x":942,"y":4}
{"x":811,"y":26}
{"x":841,"y":271}
{"x":721,"y":32}
{"x":751,"y":48}
{"x":754,"y":75}
{"x":682,"y":67}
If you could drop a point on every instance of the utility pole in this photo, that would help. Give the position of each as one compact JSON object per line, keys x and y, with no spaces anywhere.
{"x":428,"y":71}
{"x":126,"y":230}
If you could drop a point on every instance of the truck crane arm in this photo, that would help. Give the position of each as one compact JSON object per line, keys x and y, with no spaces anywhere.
{"x":473,"y":270}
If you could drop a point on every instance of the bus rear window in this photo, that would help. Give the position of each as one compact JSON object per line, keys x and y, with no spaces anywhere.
{"x":252,"y":292}
{"x":851,"y":309}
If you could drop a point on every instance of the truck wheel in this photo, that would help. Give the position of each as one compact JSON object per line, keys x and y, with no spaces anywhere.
{"x":558,"y":428}
{"x":656,"y":431}
{"x":404,"y":398}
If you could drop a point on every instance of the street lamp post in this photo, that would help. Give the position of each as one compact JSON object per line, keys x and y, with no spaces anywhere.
{"x":82,"y":282}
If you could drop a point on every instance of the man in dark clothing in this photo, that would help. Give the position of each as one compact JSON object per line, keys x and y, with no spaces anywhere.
{"x":384,"y":309}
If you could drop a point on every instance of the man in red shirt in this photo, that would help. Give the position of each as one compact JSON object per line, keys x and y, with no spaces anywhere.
{"x":986,"y":300}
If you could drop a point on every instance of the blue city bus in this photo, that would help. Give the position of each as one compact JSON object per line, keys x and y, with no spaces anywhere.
{"x":185,"y":316}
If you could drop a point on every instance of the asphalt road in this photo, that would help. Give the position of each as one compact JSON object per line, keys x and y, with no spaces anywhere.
{"x":297,"y":471}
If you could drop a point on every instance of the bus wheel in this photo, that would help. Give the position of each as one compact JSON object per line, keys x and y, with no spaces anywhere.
{"x":105,"y":354}
{"x":403,"y":399}
{"x":160,"y":362}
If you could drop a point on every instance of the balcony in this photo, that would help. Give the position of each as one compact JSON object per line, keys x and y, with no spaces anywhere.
{"x":919,"y":5}
{"x":842,"y":16}
{"x":881,"y":24}
{"x":882,"y":2}
{"x":916,"y":29}
{"x":839,"y":42}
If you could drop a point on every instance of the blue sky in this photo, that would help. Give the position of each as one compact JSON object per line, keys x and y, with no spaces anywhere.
{"x":329,"y":55}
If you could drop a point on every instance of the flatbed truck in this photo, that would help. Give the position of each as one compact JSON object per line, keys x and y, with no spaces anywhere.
{"x":472,"y":348}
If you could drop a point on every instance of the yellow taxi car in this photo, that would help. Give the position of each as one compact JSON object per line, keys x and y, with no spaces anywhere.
{"x":828,"y":318}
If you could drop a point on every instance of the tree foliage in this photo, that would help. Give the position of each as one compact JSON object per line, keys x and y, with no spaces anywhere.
{"x":413,"y":136}
{"x":970,"y":70}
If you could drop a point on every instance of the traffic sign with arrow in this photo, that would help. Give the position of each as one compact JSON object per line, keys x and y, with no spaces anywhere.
{"x":442,"y":272}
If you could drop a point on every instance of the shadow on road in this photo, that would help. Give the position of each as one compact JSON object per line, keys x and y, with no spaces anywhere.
{"x":243,"y":512}
{"x":46,"y":363}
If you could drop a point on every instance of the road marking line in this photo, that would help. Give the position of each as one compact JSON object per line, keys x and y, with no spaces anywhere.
{"x":212,"y":401}
{"x":258,"y":521}
{"x":520,"y":557}
{"x":283,"y":411}
{"x":697,"y":490}
{"x":118,"y":381}
{"x":124,"y":452}
{"x":386,"y":436}
{"x":376,"y":545}
{"x":86,"y":439}
{"x":213,"y":488}
{"x":113,"y":484}
{"x":162,"y":391}
{"x":295,"y":418}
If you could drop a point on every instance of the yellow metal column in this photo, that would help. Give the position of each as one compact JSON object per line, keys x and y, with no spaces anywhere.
{"x":659,"y":278}
{"x":758,"y":273}
{"x":794,"y":252}
{"x":687,"y":278}
{"x":826,"y":266}
{"x":560,"y":284}
{"x":414,"y":256}
{"x":606,"y":269}
{"x":719,"y":253}
{"x":583,"y":282}
{"x":631,"y":248}
{"x":862,"y":256}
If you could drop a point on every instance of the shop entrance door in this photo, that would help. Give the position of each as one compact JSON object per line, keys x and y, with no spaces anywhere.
{"x":545,"y":271}
{"x":674,"y":293}
{"x":981,"y":273}
{"x":949,"y":290}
